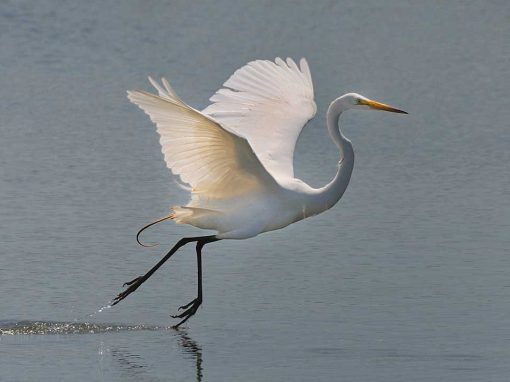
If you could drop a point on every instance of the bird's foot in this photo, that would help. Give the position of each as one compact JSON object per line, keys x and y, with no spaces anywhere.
{"x":191,"y":309}
{"x":132,"y":286}
{"x":187,"y":305}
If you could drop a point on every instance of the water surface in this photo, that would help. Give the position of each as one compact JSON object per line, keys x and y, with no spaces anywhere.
{"x":406,"y":279}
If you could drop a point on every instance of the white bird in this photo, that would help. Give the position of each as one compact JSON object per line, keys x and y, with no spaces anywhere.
{"x":237,"y":155}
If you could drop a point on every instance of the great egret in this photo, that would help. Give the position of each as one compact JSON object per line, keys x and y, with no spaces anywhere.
{"x":237,"y":155}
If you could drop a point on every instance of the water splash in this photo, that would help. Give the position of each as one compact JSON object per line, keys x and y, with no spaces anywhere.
{"x":56,"y":327}
{"x":100,"y":310}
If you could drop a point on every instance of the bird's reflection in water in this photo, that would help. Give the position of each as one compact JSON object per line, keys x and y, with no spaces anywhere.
{"x":138,"y":370}
{"x":189,"y":346}
{"x":132,"y":366}
{"x":129,"y":361}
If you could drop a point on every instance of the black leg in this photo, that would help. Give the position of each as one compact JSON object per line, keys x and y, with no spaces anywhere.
{"x":199,"y":283}
{"x":135,"y":283}
{"x":192,"y":306}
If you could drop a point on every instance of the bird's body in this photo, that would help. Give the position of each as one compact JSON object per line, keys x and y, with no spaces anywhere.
{"x":237,"y":154}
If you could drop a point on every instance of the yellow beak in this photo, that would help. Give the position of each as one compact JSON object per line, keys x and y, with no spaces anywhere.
{"x":381,"y":106}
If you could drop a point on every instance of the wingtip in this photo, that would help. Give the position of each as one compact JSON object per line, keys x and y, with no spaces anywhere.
{"x":279,"y":61}
{"x":130,"y":94}
{"x":291,"y":63}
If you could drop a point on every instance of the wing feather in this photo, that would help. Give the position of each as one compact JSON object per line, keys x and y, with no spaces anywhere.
{"x":214,"y":161}
{"x":268,"y":103}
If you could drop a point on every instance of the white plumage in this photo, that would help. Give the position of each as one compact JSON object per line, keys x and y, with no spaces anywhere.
{"x":237,"y":154}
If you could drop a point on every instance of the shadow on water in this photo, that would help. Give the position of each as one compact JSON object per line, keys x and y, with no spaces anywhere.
{"x":128,"y":361}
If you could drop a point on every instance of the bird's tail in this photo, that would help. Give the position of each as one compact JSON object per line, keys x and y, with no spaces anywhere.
{"x":198,"y":217}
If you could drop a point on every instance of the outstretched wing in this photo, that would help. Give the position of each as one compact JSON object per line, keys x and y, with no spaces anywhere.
{"x":215,"y":162}
{"x":268,"y":103}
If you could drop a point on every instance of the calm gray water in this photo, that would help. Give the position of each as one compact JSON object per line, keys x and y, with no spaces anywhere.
{"x":407,"y":279}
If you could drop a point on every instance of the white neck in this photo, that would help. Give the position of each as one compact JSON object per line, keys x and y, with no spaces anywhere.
{"x":330,"y":194}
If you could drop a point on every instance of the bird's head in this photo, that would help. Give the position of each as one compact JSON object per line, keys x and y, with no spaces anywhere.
{"x":357,"y":101}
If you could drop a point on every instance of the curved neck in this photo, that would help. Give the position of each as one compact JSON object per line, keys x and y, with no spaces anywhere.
{"x":330,"y":194}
